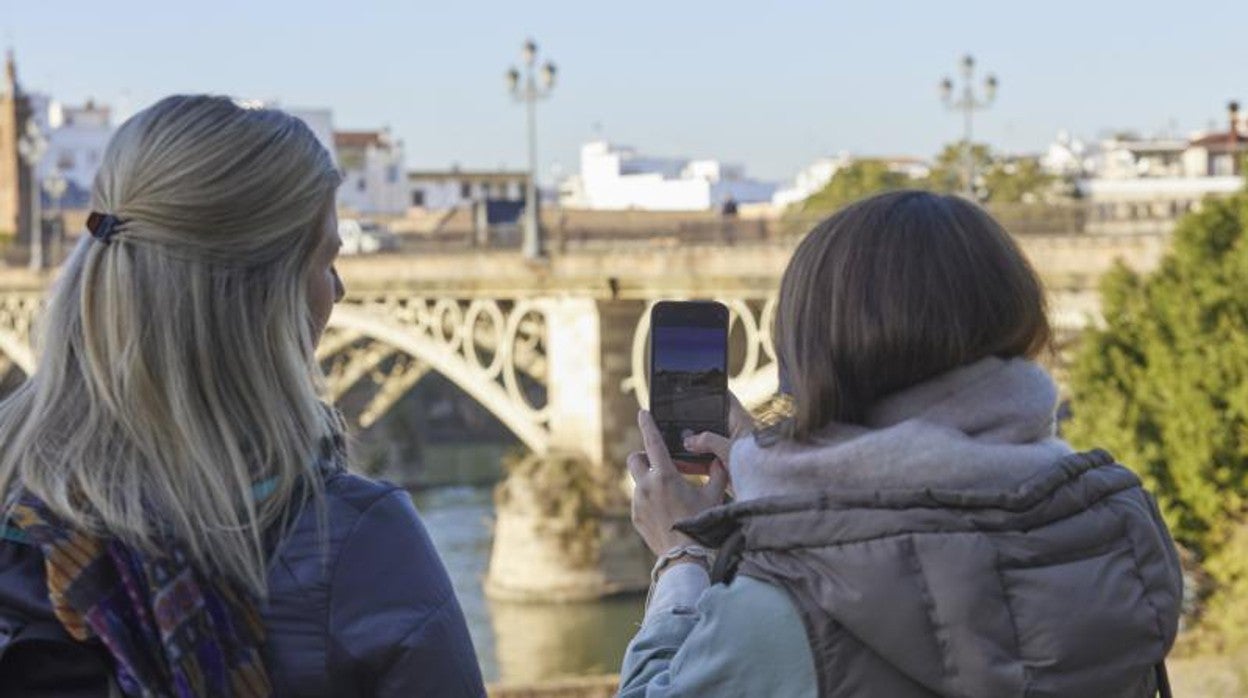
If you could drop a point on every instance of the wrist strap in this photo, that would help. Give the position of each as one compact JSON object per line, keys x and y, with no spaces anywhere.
{"x":700,"y":553}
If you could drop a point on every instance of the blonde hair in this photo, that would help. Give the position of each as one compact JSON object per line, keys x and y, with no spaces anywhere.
{"x":176,"y":365}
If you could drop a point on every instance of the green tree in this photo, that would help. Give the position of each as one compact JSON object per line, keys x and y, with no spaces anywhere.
{"x":1017,"y":181}
{"x":1164,"y":384}
{"x":998,"y":180}
{"x":852,"y":182}
{"x":948,"y":171}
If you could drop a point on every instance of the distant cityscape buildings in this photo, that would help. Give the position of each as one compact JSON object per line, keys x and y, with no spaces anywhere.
{"x":14,"y":175}
{"x":441,"y":190}
{"x":1128,"y":180}
{"x":817,"y":174}
{"x":616,"y":178}
{"x":1123,"y":178}
{"x":373,"y":178}
{"x":77,"y":137}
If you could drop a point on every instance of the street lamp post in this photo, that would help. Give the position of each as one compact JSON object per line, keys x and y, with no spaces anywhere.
{"x":526,"y":88}
{"x":31,"y":147}
{"x":968,"y":104}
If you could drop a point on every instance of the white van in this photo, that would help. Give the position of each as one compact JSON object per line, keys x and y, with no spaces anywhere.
{"x":365,"y":237}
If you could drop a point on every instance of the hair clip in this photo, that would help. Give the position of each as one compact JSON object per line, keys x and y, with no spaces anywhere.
{"x":103,"y":226}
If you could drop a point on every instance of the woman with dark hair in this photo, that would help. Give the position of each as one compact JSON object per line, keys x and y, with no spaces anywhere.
{"x":914,"y":527}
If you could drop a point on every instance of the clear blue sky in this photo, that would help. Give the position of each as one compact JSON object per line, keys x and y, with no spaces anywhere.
{"x":771,"y":85}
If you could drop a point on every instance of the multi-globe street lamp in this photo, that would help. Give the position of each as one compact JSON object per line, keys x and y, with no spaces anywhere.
{"x":968,"y":104}
{"x":31,"y":146}
{"x":525,"y":88}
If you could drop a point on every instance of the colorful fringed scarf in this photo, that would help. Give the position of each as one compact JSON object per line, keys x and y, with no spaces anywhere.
{"x":171,"y":630}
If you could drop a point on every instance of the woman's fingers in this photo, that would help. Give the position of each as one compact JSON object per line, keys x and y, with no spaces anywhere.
{"x":709,"y":442}
{"x":717,"y":483}
{"x":638,"y":465}
{"x":656,"y":450}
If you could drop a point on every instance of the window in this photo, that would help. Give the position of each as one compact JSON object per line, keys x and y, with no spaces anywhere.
{"x":465,"y":190}
{"x":65,"y":160}
{"x":392,"y":174}
{"x":418,"y":198}
{"x":1223,"y":165}
{"x":360,"y":184}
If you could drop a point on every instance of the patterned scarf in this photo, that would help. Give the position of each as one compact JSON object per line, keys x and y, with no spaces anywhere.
{"x":171,"y":630}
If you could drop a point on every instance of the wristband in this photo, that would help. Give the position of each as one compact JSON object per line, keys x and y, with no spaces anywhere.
{"x":697,"y":553}
{"x":705,"y":557}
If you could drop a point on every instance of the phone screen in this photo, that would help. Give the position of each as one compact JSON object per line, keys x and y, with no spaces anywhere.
{"x":689,"y":374}
{"x":689,"y":362}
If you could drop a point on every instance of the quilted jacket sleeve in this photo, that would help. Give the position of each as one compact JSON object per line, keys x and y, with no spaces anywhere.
{"x":396,"y":628}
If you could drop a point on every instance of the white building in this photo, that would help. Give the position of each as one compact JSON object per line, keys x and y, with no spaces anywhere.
{"x":1141,"y":185}
{"x":817,"y":174}
{"x":440,"y":190}
{"x":374,"y":181}
{"x":1067,"y":157}
{"x":618,"y":178}
{"x":77,"y":137}
{"x":811,"y":179}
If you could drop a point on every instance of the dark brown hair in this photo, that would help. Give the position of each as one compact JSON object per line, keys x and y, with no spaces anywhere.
{"x":893,"y":290}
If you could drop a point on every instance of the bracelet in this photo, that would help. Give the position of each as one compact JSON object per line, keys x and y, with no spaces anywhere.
{"x":704,"y":555}
{"x":698,"y":553}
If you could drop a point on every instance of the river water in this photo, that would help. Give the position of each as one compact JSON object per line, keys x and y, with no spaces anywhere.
{"x":520,"y":642}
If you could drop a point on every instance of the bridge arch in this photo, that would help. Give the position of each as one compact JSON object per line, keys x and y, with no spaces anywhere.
{"x":494,"y":386}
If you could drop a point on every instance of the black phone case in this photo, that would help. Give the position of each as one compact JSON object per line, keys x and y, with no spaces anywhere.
{"x":672,"y":430}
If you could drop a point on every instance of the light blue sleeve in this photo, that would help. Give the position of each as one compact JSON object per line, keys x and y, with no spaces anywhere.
{"x":742,"y":639}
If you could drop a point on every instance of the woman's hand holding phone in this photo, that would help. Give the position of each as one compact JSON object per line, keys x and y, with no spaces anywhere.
{"x":663,"y":496}
{"x":739,"y":423}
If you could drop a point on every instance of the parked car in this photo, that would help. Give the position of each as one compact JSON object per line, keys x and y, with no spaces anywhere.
{"x":365,"y":237}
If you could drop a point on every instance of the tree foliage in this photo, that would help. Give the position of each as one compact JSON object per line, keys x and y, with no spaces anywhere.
{"x":1018,"y":181}
{"x":858,"y":179}
{"x":998,"y":180}
{"x":948,"y":171}
{"x":1164,"y":384}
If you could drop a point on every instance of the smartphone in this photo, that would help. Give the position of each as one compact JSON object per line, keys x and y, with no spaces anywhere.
{"x":689,"y":372}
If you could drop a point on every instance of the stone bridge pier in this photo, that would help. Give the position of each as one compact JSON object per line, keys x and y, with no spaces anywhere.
{"x":562,"y":530}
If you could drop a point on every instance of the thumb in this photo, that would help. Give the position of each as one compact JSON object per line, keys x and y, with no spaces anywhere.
{"x":717,"y":482}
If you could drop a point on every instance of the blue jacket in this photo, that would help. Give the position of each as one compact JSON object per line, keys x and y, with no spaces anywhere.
{"x":376,"y":616}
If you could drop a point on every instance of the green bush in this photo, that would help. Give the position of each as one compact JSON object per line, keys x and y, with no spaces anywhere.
{"x":1164,"y":384}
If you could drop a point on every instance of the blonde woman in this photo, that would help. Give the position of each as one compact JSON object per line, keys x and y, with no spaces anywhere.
{"x":178,"y":517}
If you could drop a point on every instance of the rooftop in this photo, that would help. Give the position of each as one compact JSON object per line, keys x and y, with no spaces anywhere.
{"x":359,"y":139}
{"x":472,"y":175}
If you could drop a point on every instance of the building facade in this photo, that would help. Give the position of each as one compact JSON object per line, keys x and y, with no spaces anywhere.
{"x":620,"y":178}
{"x":441,"y":190}
{"x":14,"y":174}
{"x":77,"y":138}
{"x":1143,"y":185}
{"x":373,"y":178}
